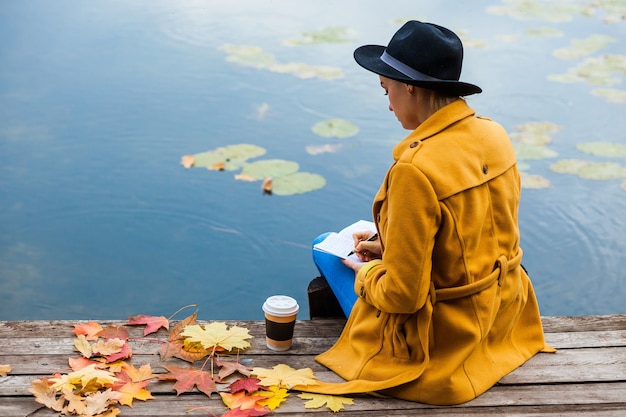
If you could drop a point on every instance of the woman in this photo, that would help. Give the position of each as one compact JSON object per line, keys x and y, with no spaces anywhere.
{"x":442,"y":306}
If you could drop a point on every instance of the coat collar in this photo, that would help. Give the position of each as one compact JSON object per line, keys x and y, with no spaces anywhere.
{"x":437,"y":122}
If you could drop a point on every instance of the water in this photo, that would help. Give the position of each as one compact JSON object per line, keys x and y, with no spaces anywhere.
{"x":99,"y":100}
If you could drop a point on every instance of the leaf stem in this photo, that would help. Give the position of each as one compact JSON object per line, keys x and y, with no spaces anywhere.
{"x":181,"y":309}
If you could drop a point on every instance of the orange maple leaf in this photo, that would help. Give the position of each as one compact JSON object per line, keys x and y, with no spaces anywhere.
{"x":187,"y":378}
{"x":131,"y":374}
{"x":153,"y":324}
{"x":133,"y":390}
{"x":89,"y":330}
{"x":242,"y":401}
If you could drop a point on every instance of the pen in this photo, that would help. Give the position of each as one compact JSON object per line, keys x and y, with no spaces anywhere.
{"x":370,"y":239}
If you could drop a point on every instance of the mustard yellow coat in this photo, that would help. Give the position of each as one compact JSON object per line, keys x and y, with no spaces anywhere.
{"x":448,"y":310}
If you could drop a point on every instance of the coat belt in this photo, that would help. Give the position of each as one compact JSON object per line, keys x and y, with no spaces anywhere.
{"x":503,"y":267}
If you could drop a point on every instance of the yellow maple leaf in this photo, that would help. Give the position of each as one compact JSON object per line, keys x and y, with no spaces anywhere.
{"x":144,"y":373}
{"x":284,"y":376}
{"x":217,"y":336}
{"x":274,"y":396}
{"x":5,"y":369}
{"x":81,"y":378}
{"x":82,"y":345}
{"x":333,"y":402}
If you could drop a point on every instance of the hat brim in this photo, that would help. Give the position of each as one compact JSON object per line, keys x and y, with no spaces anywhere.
{"x":368,"y":56}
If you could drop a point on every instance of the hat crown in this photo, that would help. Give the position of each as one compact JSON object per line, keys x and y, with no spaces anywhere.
{"x":428,"y":48}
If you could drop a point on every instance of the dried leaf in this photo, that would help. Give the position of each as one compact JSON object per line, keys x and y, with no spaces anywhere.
{"x":285,"y":376}
{"x":83,"y":346}
{"x":99,"y":403}
{"x":131,"y":374}
{"x":228,"y":368}
{"x":187,"y":378}
{"x":4,"y":370}
{"x":89,"y":330}
{"x":274,"y":397}
{"x":333,"y":402}
{"x":153,"y":324}
{"x":44,"y":394}
{"x":218,"y":336}
{"x":107,"y":347}
{"x":134,"y":390}
{"x":175,"y":346}
{"x":245,"y":384}
{"x":242,"y":401}
{"x":82,"y":377}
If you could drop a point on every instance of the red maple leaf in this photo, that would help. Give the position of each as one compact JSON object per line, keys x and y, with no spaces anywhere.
{"x":238,"y":412}
{"x":125,"y":353}
{"x":245,"y":384}
{"x":187,"y":378}
{"x":153,"y":324}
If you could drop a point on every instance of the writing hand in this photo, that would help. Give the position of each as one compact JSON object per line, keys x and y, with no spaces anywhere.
{"x":366,"y":246}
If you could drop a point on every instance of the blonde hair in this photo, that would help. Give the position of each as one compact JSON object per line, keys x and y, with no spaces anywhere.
{"x":437,"y":100}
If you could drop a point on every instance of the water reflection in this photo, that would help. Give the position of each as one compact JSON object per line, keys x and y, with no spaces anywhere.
{"x":100,"y":100}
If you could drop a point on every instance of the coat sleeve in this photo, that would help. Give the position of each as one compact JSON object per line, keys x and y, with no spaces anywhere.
{"x":400,"y":282}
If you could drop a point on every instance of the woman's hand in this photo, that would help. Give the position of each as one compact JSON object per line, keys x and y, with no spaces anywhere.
{"x":365,"y":248}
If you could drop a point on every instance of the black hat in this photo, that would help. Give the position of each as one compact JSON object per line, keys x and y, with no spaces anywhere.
{"x":421,"y":54}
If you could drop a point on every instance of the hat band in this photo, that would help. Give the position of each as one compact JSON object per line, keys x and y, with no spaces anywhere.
{"x":405,"y":69}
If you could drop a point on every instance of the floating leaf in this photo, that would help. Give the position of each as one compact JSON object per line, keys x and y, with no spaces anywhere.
{"x":568,"y":166}
{"x":581,"y":47}
{"x":232,"y":157}
{"x":326,"y":35}
{"x":609,"y":149}
{"x":602,"y":171}
{"x":526,"y":151}
{"x":533,"y":9}
{"x":269,"y":168}
{"x":534,"y":181}
{"x":297,"y":183}
{"x":612,"y":95}
{"x":595,"y":70}
{"x":338,"y":128}
{"x":319,"y":149}
{"x":535,"y":133}
{"x":543,"y":32}
{"x":335,"y":403}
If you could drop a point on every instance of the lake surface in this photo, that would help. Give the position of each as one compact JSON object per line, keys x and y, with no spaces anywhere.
{"x":99,"y":101}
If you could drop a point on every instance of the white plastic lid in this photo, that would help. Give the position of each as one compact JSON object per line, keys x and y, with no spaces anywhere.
{"x":281,"y":305}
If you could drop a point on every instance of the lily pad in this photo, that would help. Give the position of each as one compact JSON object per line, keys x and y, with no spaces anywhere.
{"x":534,"y":181}
{"x":544,"y":32}
{"x":298,"y":183}
{"x":269,"y":168}
{"x":602,"y":171}
{"x":595,"y":70}
{"x":338,"y":128}
{"x":253,"y":56}
{"x":582,"y":47}
{"x":612,"y":95}
{"x":533,"y":9}
{"x":535,"y":133}
{"x":568,"y":166}
{"x":609,"y":149}
{"x":232,"y":157}
{"x":334,"y":34}
{"x":527,"y":151}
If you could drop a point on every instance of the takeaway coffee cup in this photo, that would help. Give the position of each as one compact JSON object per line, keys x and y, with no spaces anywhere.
{"x":280,"y":319}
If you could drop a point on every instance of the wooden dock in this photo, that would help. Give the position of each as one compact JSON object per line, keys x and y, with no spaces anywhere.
{"x":586,"y":377}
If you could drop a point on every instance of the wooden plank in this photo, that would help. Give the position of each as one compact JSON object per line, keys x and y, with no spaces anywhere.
{"x":561,"y":397}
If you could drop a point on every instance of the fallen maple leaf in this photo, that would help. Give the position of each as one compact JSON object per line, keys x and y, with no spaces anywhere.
{"x":82,"y":377}
{"x":228,"y":368}
{"x":44,"y":394}
{"x":245,"y":384}
{"x":153,"y":324}
{"x":89,"y":330}
{"x":82,"y":345}
{"x":131,"y":374}
{"x":175,"y":347}
{"x":5,"y":369}
{"x":242,"y":401}
{"x":107,"y":347}
{"x":79,"y":363}
{"x":187,"y":378}
{"x":100,"y":403}
{"x":134,"y":390}
{"x":285,"y":376}
{"x":274,"y":396}
{"x":217,"y":336}
{"x":333,"y":402}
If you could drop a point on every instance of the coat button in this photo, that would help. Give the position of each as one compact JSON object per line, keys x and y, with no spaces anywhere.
{"x":414,"y":144}
{"x":362,"y":292}
{"x":485,"y":169}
